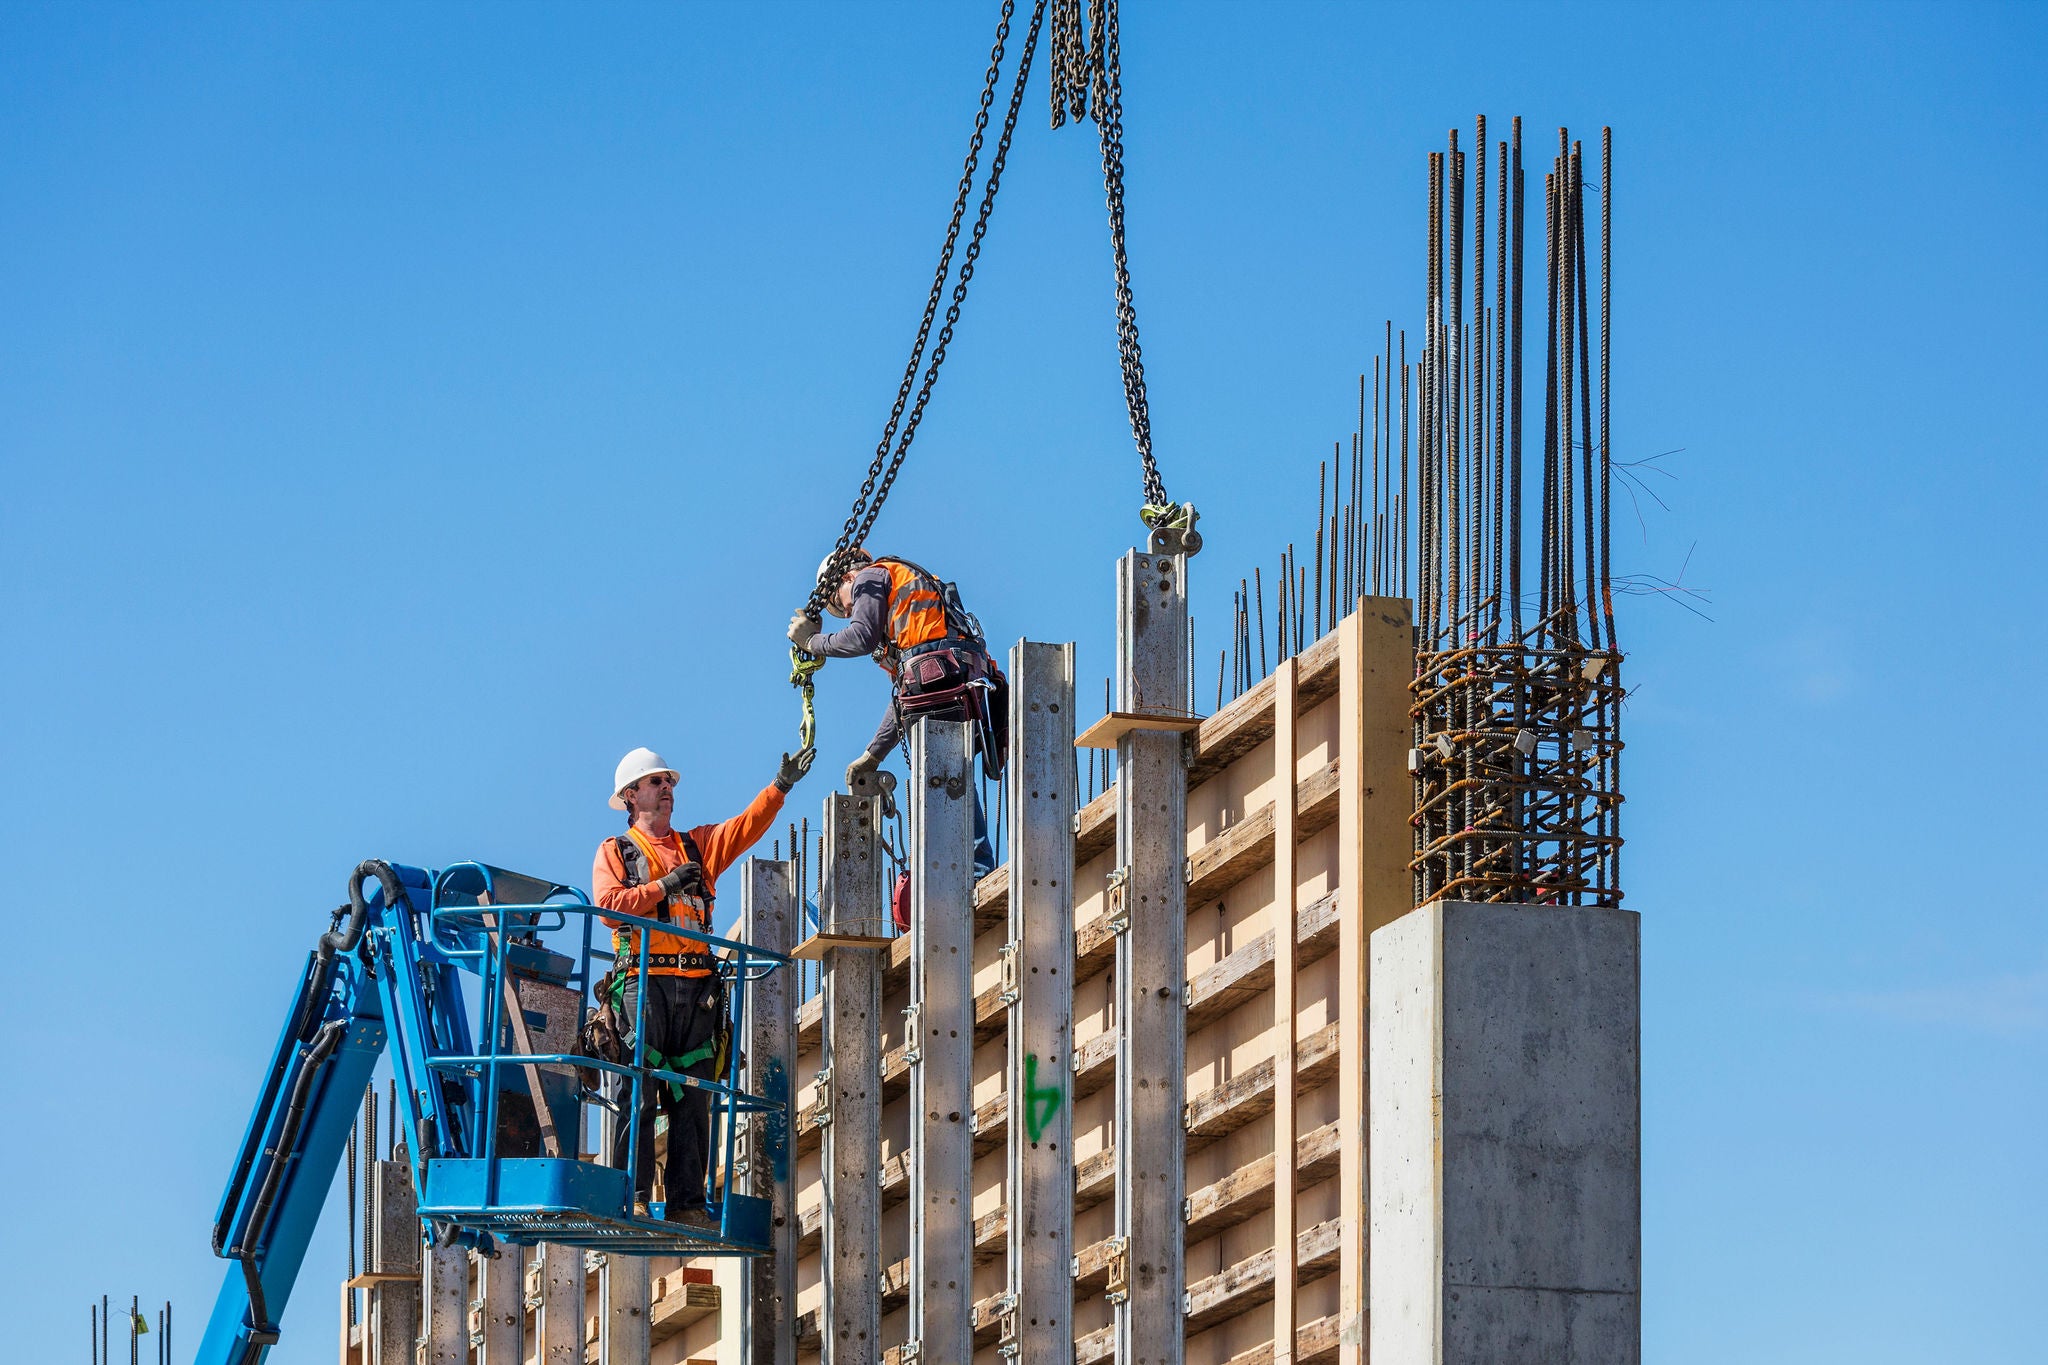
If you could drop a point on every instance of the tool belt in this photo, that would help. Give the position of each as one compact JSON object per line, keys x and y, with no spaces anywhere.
{"x":689,"y":962}
{"x":955,"y":679}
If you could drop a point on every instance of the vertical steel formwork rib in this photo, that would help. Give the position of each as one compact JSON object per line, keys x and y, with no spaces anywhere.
{"x":1149,"y":903}
{"x":941,"y":1040}
{"x":851,"y":1086}
{"x":1039,"y":986}
{"x":768,"y":920}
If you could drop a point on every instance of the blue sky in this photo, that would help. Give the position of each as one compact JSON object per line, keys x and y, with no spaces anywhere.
{"x":407,"y":410}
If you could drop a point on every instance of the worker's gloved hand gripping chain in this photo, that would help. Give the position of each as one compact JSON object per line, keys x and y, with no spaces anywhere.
{"x":386,"y":971}
{"x":1086,"y":82}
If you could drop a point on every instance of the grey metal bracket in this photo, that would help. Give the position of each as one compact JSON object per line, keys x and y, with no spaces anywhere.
{"x":913,"y":1032}
{"x":1007,"y":953}
{"x":1118,"y":1287}
{"x":1119,"y":911}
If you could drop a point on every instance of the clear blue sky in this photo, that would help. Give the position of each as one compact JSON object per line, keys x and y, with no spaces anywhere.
{"x":407,"y":410}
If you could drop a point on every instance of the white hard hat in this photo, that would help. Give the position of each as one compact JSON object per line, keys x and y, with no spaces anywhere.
{"x":855,"y":558}
{"x":632,"y":768}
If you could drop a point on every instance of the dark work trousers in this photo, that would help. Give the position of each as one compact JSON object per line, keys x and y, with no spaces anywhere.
{"x":682,"y":1016}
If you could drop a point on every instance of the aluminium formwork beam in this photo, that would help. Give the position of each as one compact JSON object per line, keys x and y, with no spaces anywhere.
{"x":851,"y":1084}
{"x":1037,"y":1328}
{"x":768,"y":919}
{"x":1149,"y":903}
{"x":941,"y":1039}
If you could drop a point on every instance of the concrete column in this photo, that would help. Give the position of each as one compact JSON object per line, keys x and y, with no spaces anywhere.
{"x":1376,"y":662}
{"x":852,"y":1155}
{"x":768,"y":919}
{"x":555,"y":1293}
{"x":446,"y":1338}
{"x":1506,"y":1151}
{"x":1151,"y":964}
{"x":942,"y":1039}
{"x":394,"y":1249}
{"x":626,"y":1291}
{"x":500,"y":1333}
{"x":1039,"y":976}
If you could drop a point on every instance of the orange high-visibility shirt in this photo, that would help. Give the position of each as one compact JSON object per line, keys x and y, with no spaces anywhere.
{"x":721,"y":844}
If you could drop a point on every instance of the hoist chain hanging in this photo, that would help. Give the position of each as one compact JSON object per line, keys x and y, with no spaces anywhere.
{"x":882,"y":471}
{"x":1088,"y":78}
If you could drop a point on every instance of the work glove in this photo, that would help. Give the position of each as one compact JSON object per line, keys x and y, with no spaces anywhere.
{"x":687,"y":880}
{"x":803,"y":628}
{"x":793,"y":768}
{"x":860,"y":767}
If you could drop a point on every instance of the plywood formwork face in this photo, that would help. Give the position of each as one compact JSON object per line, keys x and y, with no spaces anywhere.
{"x":1241,"y":791}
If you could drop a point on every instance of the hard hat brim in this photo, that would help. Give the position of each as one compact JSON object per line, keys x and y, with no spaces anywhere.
{"x":618,"y":801}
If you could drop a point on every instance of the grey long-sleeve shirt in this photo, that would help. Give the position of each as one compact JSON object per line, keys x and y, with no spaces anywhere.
{"x":866,"y":627}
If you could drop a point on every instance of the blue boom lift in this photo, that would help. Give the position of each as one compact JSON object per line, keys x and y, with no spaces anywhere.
{"x":416,"y":961}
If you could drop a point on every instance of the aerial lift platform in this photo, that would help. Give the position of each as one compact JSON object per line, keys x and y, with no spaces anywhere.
{"x":429,"y":964}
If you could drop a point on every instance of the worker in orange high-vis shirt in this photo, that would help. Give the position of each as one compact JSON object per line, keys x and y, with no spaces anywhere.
{"x":657,"y":871}
{"x":932,"y":648}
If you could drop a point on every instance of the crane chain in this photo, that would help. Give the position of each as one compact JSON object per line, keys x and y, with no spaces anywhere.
{"x":1088,"y":77}
{"x":882,"y":471}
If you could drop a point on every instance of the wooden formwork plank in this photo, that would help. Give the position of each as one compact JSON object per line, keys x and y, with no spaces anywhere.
{"x":1095,"y":941}
{"x":1316,"y":802}
{"x":684,"y":1306}
{"x":1239,"y":977}
{"x":1230,"y":1292}
{"x":1243,"y":1194}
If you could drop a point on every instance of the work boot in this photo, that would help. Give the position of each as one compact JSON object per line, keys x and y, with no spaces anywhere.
{"x":693,"y":1215}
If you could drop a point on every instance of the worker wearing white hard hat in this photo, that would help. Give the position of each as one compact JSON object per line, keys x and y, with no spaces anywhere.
{"x":657,"y":871}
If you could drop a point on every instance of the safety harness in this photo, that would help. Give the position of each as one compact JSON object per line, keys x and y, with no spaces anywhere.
{"x":636,"y":855}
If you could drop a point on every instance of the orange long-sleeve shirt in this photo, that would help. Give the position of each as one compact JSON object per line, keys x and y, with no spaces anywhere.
{"x":721,"y":846}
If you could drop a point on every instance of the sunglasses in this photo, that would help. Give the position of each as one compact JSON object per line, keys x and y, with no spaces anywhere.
{"x":658,"y":780}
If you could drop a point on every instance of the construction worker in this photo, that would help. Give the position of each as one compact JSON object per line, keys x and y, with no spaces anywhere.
{"x":656,"y":871}
{"x":932,"y":649}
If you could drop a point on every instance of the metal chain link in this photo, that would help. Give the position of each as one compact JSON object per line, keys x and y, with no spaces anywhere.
{"x":882,"y":471}
{"x":1094,"y":78}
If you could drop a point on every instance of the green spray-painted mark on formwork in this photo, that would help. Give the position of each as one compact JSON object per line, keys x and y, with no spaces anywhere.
{"x":1041,"y":1103}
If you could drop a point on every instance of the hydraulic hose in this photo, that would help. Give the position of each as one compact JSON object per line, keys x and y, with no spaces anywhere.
{"x":323,"y":1045}
{"x":351,"y":921}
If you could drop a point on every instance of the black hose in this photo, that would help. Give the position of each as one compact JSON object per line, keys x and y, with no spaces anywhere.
{"x":322,"y":1047}
{"x":319,"y":976}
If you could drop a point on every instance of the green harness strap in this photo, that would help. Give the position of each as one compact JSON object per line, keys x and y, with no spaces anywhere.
{"x":659,"y":1060}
